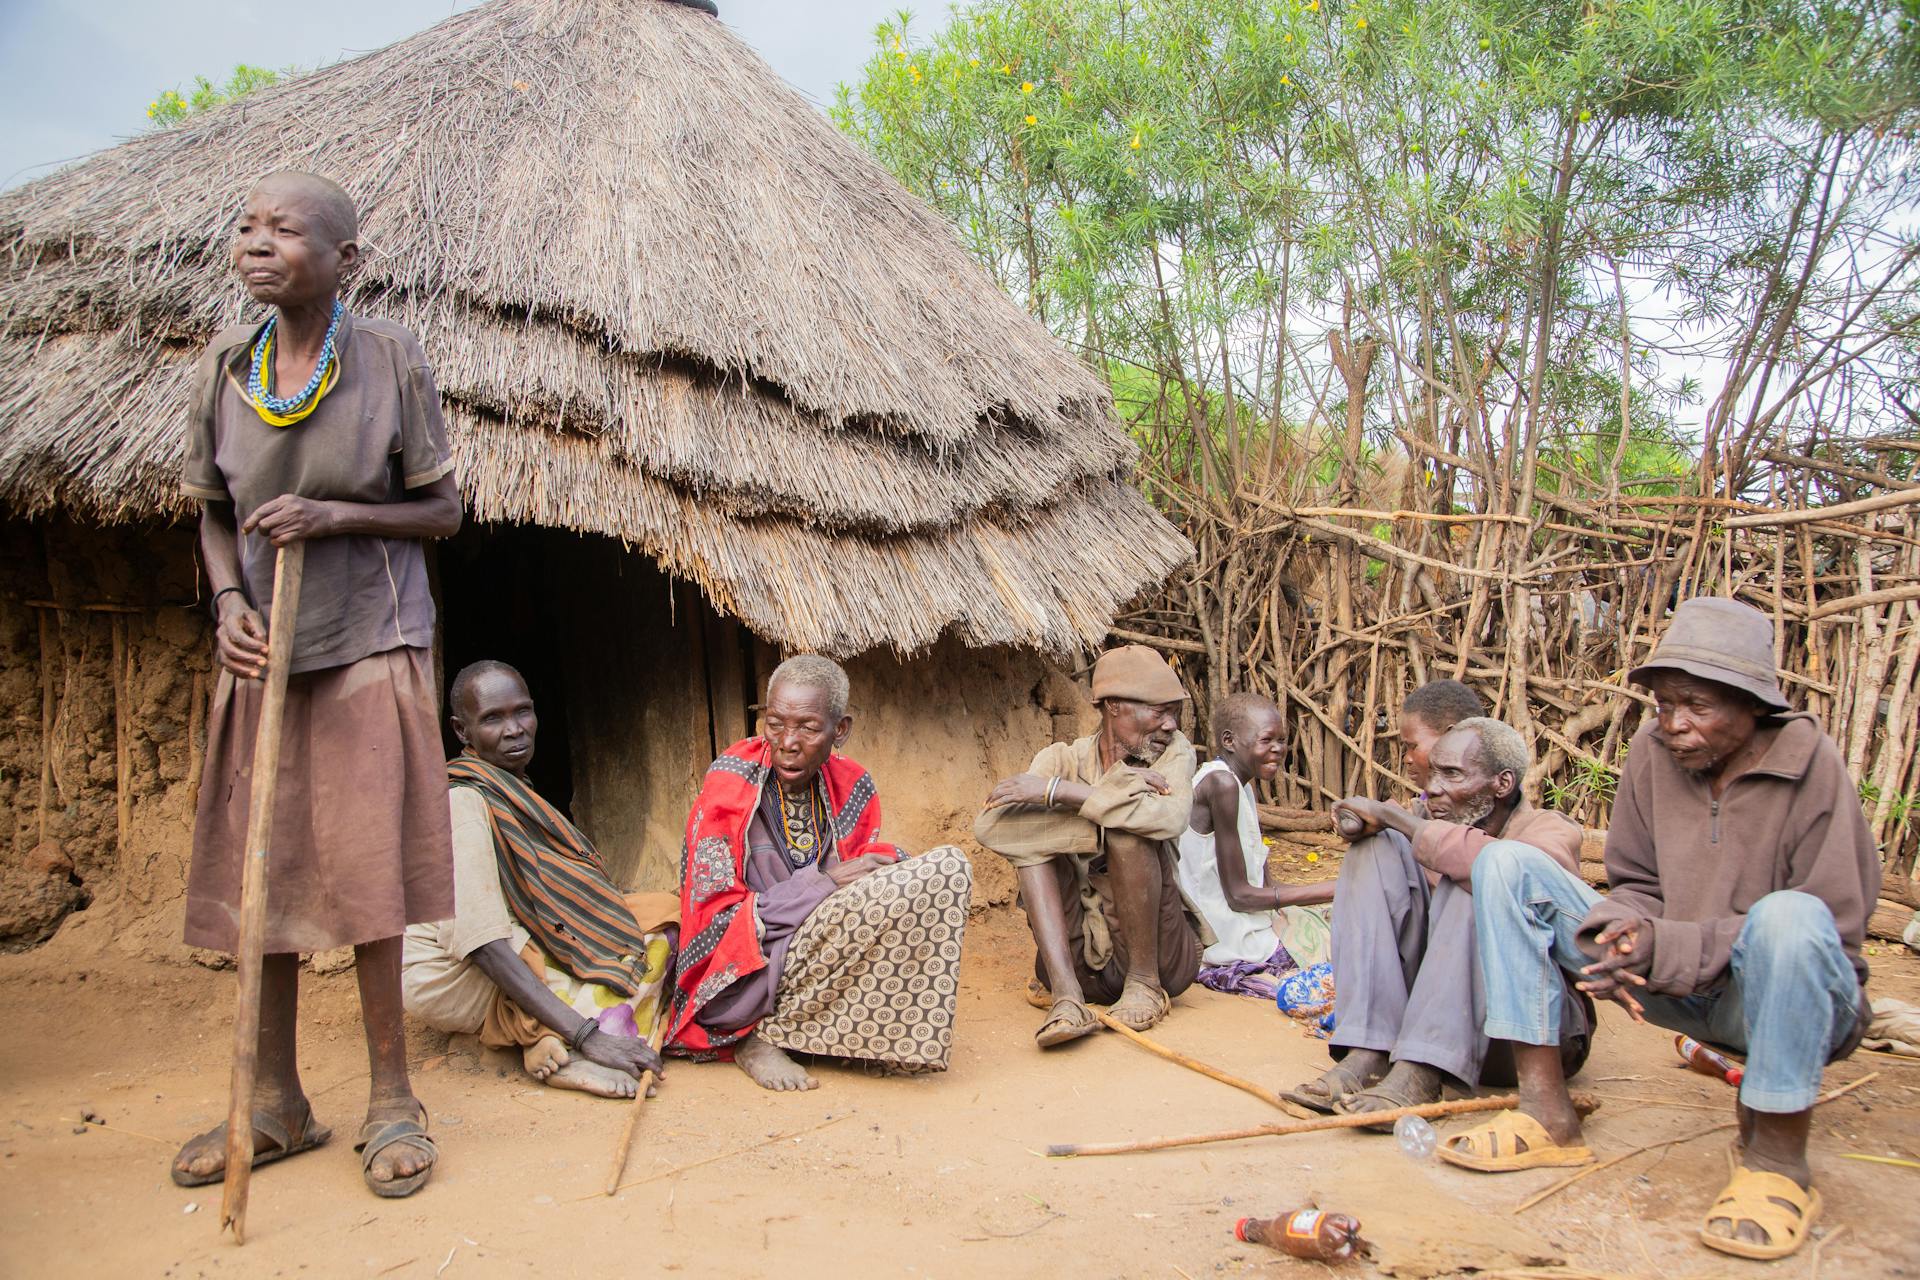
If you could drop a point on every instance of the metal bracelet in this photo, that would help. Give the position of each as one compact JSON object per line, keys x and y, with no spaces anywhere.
{"x":1052,"y":786}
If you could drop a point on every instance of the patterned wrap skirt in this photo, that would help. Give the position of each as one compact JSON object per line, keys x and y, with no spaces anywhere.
{"x":362,"y":841}
{"x":874,"y":972}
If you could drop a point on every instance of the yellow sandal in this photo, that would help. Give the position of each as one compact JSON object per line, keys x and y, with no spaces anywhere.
{"x":1511,"y":1141}
{"x":1755,"y":1197}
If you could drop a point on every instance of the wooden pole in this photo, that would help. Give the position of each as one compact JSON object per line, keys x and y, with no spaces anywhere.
{"x":1584,"y":1103}
{"x":621,"y":1152}
{"x":287,"y":570}
{"x":1267,"y":1096}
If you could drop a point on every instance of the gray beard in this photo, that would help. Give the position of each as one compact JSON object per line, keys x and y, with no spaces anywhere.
{"x":1476,"y":813}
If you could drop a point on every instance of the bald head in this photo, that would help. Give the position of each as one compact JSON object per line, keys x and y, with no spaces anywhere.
{"x":322,"y":200}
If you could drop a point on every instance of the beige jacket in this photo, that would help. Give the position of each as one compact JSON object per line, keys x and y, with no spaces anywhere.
{"x":1026,"y":835}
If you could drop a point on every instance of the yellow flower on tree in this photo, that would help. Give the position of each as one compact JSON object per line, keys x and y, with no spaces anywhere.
{"x":1026,"y":86}
{"x":1360,"y":24}
{"x":1135,"y":144}
{"x":1033,"y":119}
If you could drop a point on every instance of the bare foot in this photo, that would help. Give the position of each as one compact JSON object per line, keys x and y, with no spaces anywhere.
{"x":770,"y":1068}
{"x":545,"y":1056}
{"x":401,"y":1160}
{"x":591,"y":1077}
{"x":1141,"y":1005}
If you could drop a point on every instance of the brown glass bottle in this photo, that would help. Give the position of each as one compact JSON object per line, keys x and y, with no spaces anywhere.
{"x":1708,"y":1062}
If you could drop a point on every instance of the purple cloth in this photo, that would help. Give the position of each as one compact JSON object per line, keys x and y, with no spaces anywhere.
{"x":784,"y":896}
{"x":1257,"y":978}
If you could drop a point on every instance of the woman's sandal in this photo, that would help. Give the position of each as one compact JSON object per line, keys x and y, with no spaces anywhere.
{"x":377,"y":1135}
{"x":265,"y":1124}
{"x":1329,"y":1094}
{"x":1067,"y":1019}
{"x":1758,"y":1198}
{"x":1510,"y":1141}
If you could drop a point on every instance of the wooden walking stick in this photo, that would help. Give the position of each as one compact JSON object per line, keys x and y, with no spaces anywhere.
{"x":1265,"y":1095}
{"x":1585,"y":1104}
{"x":288,"y":566}
{"x":625,"y":1148}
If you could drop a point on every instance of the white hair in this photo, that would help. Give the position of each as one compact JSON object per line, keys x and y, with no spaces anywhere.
{"x":1502,"y":749}
{"x":811,"y":671}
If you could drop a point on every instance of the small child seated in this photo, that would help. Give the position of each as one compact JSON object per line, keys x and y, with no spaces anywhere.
{"x":1223,"y":860}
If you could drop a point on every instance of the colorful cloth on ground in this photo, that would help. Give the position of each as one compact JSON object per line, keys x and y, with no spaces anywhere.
{"x":638,"y":1015}
{"x":1307,"y":997}
{"x":1306,"y":934}
{"x":874,"y":972}
{"x":555,"y":882}
{"x":720,"y":941}
{"x":1257,"y":978}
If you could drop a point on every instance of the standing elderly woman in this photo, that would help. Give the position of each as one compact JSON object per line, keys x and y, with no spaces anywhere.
{"x":324,"y":428}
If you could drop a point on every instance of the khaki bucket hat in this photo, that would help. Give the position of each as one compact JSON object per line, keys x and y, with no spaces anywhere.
{"x":1720,"y":640}
{"x":1137,"y":673}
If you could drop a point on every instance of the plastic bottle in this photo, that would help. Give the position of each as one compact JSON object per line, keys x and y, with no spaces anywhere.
{"x":1415,"y":1136}
{"x":1305,"y":1233}
{"x":1708,"y":1062}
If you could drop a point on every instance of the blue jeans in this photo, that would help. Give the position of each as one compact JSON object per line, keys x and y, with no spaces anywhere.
{"x":1790,"y":1000}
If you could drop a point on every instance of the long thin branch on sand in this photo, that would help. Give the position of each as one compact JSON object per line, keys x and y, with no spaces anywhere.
{"x":737,"y":1151}
{"x":1585,"y":1103}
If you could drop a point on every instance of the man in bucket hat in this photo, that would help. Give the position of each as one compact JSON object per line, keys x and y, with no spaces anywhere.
{"x":1089,"y":830}
{"x":1742,"y":875}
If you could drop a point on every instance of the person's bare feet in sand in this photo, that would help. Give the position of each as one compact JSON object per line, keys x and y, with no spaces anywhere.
{"x":770,"y":1068}
{"x":591,"y":1077}
{"x":1142,"y":1004}
{"x":544,"y":1057}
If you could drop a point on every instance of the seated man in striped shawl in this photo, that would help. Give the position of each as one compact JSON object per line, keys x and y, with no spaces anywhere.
{"x":803,"y":931}
{"x":543,"y":953}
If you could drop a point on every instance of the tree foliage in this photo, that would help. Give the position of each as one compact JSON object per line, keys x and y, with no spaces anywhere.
{"x":1482,"y":222}
{"x":173,"y":106}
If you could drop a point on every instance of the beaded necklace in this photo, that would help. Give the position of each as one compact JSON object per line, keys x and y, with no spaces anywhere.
{"x":801,"y":822}
{"x":285,"y":411}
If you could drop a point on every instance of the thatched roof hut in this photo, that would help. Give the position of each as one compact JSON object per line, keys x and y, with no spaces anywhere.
{"x":666,"y":301}
{"x":708,"y":370}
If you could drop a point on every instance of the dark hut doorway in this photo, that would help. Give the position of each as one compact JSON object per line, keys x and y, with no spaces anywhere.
{"x":639,"y":683}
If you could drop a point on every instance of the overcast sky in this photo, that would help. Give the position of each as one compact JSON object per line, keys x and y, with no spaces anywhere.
{"x":75,"y":77}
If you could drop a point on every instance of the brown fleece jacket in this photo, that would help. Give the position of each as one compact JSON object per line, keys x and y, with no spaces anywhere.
{"x":1694,"y":866}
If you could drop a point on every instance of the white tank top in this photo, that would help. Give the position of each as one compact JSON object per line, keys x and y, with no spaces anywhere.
{"x":1242,"y":935}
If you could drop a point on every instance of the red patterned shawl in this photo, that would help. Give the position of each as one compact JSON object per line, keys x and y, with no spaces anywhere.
{"x":719,"y":941}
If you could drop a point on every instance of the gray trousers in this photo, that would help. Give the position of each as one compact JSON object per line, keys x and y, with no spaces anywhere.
{"x":1406,"y":981}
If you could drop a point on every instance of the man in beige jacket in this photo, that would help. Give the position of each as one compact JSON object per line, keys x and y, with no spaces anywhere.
{"x":1089,"y":829}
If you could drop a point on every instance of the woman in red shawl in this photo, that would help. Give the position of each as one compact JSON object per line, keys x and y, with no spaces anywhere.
{"x":801,"y":930}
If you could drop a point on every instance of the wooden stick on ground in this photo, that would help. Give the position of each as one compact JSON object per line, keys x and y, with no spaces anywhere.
{"x":1267,"y":1096}
{"x":287,"y":570}
{"x":1566,"y":1182}
{"x":625,"y":1148}
{"x":1585,"y":1103}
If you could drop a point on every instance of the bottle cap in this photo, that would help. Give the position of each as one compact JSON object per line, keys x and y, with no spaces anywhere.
{"x":1240,"y":1229}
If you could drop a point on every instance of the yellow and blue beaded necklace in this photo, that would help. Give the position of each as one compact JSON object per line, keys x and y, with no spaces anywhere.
{"x":281,"y":411}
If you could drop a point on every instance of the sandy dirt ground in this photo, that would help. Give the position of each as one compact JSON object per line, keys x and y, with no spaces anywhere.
{"x":919,"y":1177}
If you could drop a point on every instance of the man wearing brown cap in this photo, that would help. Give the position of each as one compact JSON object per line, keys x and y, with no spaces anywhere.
{"x":1742,"y":875}
{"x":1089,"y":828}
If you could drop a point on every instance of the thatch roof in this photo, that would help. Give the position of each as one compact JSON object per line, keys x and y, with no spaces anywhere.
{"x":666,"y":301}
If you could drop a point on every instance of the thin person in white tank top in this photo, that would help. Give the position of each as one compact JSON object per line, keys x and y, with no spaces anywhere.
{"x":1223,"y":858}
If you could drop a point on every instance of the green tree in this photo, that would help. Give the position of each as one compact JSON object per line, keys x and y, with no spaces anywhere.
{"x":172,"y":106}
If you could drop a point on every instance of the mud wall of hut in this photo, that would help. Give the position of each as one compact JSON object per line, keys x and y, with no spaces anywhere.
{"x":106,"y":670}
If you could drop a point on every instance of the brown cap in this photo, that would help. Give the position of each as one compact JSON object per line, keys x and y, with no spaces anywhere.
{"x":1138,"y":674}
{"x":1719,"y":640}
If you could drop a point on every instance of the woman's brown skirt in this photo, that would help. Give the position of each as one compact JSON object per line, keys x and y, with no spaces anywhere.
{"x":361,"y":843}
